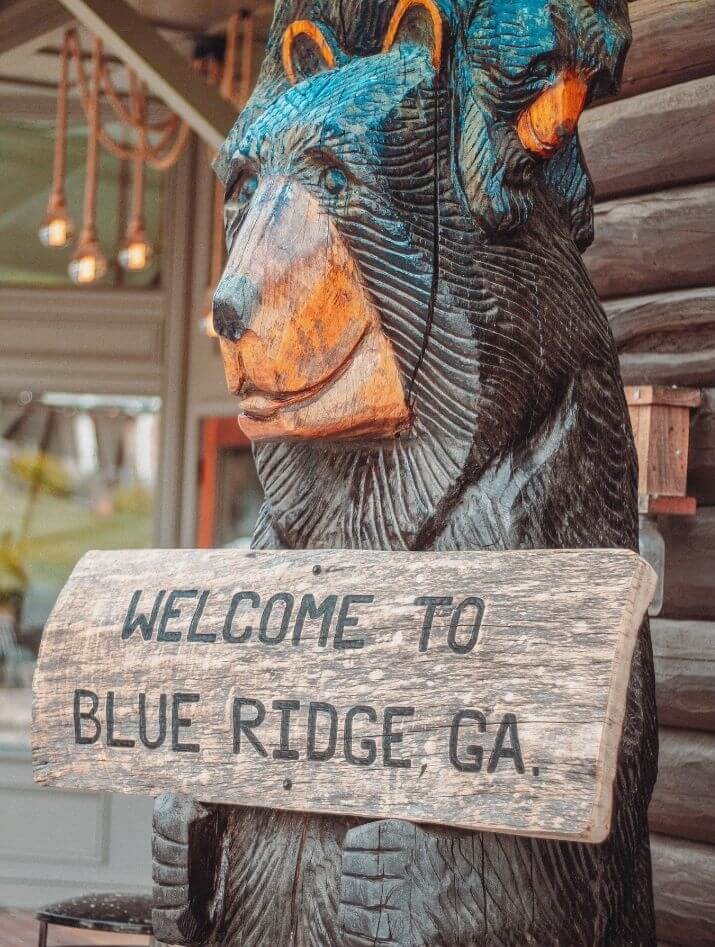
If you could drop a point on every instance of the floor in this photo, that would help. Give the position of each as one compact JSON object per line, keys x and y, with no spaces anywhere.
{"x":20,"y":930}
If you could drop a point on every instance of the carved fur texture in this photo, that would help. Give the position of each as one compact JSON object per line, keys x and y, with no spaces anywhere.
{"x":519,"y":438}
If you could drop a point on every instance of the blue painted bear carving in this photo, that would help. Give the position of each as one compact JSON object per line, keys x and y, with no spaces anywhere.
{"x":421,"y":362}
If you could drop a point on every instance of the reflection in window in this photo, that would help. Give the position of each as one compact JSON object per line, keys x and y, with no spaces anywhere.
{"x":27,"y":150}
{"x":76,"y":473}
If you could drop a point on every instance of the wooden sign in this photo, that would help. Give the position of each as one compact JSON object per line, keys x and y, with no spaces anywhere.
{"x":481,"y":690}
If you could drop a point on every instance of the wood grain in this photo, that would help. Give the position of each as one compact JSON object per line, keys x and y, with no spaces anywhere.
{"x":660,"y":418}
{"x":302,"y":344}
{"x":657,"y":140}
{"x":677,"y":321}
{"x":657,"y":242}
{"x":673,"y":42}
{"x":689,"y":565}
{"x":684,"y":653}
{"x":554,"y":648}
{"x":683,"y":883}
{"x":701,"y":468}
{"x":682,"y":801}
{"x":669,"y":368}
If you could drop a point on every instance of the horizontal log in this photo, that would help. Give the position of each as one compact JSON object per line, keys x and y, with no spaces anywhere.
{"x":673,"y":42}
{"x":684,"y":654}
{"x":683,"y":885}
{"x":701,"y":467}
{"x":682,"y":801}
{"x":669,"y":368}
{"x":677,"y":321}
{"x":689,"y":564}
{"x":661,"y":139}
{"x":661,"y":241}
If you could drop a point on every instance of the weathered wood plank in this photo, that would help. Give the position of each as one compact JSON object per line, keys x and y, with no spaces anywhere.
{"x":679,"y":321}
{"x":683,"y":885}
{"x":660,"y":418}
{"x":684,"y":654}
{"x":682,"y":804}
{"x":673,"y":42}
{"x":655,"y":242}
{"x":668,"y":368}
{"x":689,"y":590}
{"x":541,"y":671}
{"x":652,"y":141}
{"x":701,"y":468}
{"x":646,"y":395}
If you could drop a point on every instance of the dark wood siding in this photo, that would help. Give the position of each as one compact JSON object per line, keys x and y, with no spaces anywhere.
{"x":652,"y":157}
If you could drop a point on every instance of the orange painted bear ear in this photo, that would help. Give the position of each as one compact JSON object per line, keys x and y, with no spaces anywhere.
{"x":318,"y":36}
{"x":435,"y":15}
{"x":552,"y":118}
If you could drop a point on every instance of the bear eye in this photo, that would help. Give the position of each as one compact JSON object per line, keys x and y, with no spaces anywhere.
{"x":334,"y":180}
{"x":541,"y":69}
{"x":246,"y":189}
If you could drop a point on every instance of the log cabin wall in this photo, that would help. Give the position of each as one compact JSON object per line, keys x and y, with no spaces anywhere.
{"x":652,"y":156}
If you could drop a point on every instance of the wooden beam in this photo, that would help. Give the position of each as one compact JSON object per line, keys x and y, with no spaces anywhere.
{"x":685,"y":315}
{"x":24,"y":24}
{"x":701,"y":473}
{"x":668,"y":368}
{"x":683,"y":884}
{"x":653,"y":242}
{"x":165,"y":71}
{"x":681,"y":804}
{"x":673,"y":42}
{"x":689,"y":565}
{"x":684,"y":654}
{"x":660,"y":139}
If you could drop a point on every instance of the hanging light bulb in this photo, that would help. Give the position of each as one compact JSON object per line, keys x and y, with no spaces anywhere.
{"x":88,"y":263}
{"x":57,"y":229}
{"x":136,"y":252}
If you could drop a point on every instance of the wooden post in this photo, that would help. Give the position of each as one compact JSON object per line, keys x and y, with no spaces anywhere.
{"x":661,"y":427}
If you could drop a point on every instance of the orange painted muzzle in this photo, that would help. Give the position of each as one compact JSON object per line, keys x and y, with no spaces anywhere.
{"x":301,"y":340}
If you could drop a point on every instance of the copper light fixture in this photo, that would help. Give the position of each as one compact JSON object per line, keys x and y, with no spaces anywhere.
{"x":88,"y":263}
{"x":136,"y":252}
{"x":57,"y":229}
{"x":158,"y":144}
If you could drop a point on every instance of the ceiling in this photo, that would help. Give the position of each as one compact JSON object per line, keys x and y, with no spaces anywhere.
{"x":195,"y":15}
{"x":35,"y":70}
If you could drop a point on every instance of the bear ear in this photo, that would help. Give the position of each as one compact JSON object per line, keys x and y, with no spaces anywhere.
{"x":308,"y":47}
{"x":417,"y":21}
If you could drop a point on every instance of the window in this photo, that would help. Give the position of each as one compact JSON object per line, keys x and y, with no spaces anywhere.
{"x":77,"y":472}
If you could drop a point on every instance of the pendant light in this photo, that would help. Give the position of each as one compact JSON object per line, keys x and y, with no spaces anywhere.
{"x":57,"y":229}
{"x":88,"y":264}
{"x":136,"y":252}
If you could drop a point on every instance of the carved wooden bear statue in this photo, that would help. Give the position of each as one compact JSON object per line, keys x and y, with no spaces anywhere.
{"x":421,"y":363}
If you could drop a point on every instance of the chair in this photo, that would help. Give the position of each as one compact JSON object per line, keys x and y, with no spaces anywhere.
{"x":114,"y":913}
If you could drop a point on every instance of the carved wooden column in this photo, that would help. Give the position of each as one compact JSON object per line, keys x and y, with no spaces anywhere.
{"x":421,"y":363}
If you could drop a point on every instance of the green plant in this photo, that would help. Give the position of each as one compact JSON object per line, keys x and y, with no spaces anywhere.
{"x":13,"y":576}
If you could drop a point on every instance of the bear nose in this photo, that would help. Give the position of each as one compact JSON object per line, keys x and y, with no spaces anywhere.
{"x":236,"y":300}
